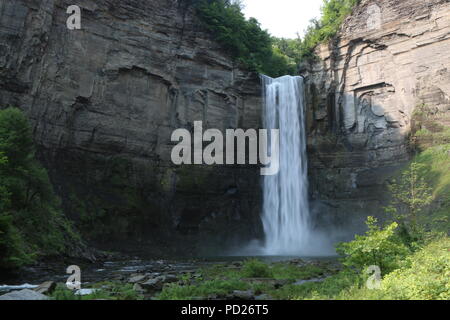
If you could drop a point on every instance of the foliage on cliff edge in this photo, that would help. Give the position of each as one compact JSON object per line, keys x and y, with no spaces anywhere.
{"x":243,"y":38}
{"x":253,"y":47}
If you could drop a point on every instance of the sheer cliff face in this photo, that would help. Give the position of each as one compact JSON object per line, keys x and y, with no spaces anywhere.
{"x":104,"y":101}
{"x":391,"y":57}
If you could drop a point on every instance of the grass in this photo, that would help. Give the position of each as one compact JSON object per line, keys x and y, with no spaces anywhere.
{"x":441,"y":135}
{"x":202,"y":289}
{"x":436,"y":161}
{"x":254,"y":268}
{"x":254,"y":274}
{"x":287,"y":271}
{"x":325,"y":290}
{"x":103,"y":291}
{"x":424,"y":274}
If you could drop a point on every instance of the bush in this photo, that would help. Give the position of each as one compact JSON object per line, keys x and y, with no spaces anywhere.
{"x":255,"y":268}
{"x":424,"y":276}
{"x":380,"y":247}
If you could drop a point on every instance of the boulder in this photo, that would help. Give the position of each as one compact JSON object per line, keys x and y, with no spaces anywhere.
{"x":137,"y":278}
{"x":152,"y":285}
{"x":157,"y":283}
{"x":170,"y":278}
{"x":138,"y":288}
{"x":46,"y":287}
{"x":300,"y":282}
{"x":85,"y":292}
{"x":25,"y":294}
{"x":242,"y":295}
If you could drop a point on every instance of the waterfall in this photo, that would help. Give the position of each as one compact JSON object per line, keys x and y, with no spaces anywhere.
{"x":286,"y":216}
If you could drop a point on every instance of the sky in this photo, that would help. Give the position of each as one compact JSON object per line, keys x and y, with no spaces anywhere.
{"x":283,"y":18}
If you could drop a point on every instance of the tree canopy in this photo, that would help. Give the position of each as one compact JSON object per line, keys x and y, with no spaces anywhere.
{"x":242,"y":38}
{"x":31,"y":221}
{"x":255,"y":48}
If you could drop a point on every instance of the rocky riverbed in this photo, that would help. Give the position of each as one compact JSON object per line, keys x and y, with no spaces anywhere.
{"x":231,"y":278}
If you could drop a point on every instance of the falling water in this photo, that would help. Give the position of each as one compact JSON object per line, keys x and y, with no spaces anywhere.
{"x":286,"y":216}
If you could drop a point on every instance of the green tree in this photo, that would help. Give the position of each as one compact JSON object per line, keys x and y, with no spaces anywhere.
{"x":333,"y":14}
{"x":380,"y":247}
{"x":242,"y":38}
{"x":411,"y":195}
{"x":12,"y":246}
{"x":31,"y":221}
{"x":253,"y":47}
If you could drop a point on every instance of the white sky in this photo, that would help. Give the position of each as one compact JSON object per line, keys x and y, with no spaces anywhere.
{"x":283,"y":18}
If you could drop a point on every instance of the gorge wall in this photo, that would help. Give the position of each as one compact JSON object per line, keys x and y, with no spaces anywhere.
{"x":104,"y":101}
{"x":389,"y":63}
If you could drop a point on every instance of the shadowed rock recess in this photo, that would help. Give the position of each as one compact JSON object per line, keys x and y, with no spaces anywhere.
{"x":363,"y":92}
{"x":104,"y":101}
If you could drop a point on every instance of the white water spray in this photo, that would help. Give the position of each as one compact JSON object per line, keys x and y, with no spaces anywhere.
{"x":286,"y":215}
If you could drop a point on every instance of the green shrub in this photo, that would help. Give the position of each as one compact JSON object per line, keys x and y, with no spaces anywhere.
{"x":255,"y":268}
{"x":380,"y":247}
{"x":424,"y":276}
